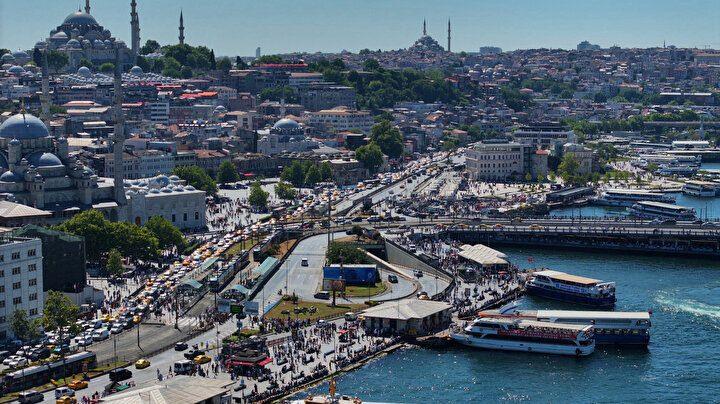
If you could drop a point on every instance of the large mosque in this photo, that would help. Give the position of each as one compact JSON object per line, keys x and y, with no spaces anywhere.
{"x":80,"y":36}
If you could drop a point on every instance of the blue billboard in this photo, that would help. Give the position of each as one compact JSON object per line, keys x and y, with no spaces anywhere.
{"x":352,"y":274}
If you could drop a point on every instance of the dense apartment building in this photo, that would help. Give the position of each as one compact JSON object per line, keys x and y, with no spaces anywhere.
{"x":21,"y":280}
{"x":341,"y":119}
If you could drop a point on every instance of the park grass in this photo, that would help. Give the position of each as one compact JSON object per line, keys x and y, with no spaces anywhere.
{"x":324,"y":310}
{"x":284,"y":247}
{"x":238,"y":248}
{"x":364,"y":291}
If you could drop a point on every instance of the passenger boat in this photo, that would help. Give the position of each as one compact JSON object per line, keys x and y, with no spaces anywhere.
{"x":628,"y":197}
{"x":701,"y":188}
{"x":659,"y":210}
{"x":517,"y":334}
{"x":611,"y":327}
{"x":571,"y":288}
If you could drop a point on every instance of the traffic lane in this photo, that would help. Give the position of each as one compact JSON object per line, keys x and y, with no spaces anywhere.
{"x":162,"y":361}
{"x":547,"y":228}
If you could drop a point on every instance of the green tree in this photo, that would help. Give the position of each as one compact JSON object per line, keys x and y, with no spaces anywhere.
{"x":240,"y":64}
{"x":107,"y":67}
{"x":278,"y":93}
{"x":186,"y":72}
{"x":568,"y":168}
{"x":166,"y":233}
{"x":86,"y":63}
{"x":371,"y":64}
{"x":346,"y":253}
{"x":227,"y":173}
{"x":171,"y":67}
{"x":114,"y":264}
{"x":268,"y":59}
{"x":23,"y":327}
{"x":326,"y":171}
{"x":285,"y":191}
{"x":134,"y":242}
{"x":224,"y":64}
{"x":94,"y":228}
{"x":59,"y":314}
{"x":294,"y":174}
{"x":388,"y":137}
{"x":150,"y":46}
{"x":213,"y":61}
{"x":312,"y":176}
{"x":370,"y":156}
{"x":57,"y":60}
{"x":258,"y":197}
{"x":197,"y":177}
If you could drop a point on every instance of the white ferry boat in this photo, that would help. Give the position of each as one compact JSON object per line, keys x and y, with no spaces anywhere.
{"x":517,"y":334}
{"x":677,"y":170}
{"x":628,"y":197}
{"x":611,"y":327}
{"x":571,"y":288}
{"x":660,"y":210}
{"x":701,"y":188}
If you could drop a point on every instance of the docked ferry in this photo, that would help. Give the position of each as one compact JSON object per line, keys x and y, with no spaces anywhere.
{"x":571,"y":288}
{"x":517,"y":334}
{"x":628,"y":197}
{"x":611,"y":327}
{"x":701,"y":188}
{"x":659,"y":210}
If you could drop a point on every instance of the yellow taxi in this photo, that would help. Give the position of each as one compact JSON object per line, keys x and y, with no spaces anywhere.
{"x":137,"y":319}
{"x":66,"y":400}
{"x":78,"y":384}
{"x":142,"y":363}
{"x":201,"y":359}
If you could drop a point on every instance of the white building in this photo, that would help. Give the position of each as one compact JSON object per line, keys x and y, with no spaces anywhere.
{"x":495,"y":161}
{"x":544,"y":137}
{"x":21,"y":280}
{"x":341,"y":119}
{"x":169,"y":197}
{"x":159,"y":111}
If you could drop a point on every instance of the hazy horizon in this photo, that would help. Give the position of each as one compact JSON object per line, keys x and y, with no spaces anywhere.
{"x":277,"y":26}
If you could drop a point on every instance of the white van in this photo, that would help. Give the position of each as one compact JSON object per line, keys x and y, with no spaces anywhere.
{"x":101,"y":335}
{"x":64,"y":391}
{"x":183,"y":367}
{"x":304,"y":262}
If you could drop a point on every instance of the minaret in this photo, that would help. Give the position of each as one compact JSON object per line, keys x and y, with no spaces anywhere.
{"x":448,"y":48}
{"x":45,"y":97}
{"x":118,"y":140}
{"x":87,"y":6}
{"x":135,"y":30}
{"x":182,"y":30}
{"x":424,"y":27}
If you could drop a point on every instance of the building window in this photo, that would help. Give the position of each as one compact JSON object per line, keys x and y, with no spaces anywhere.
{"x":2,"y":257}
{"x":173,"y":218}
{"x":32,"y":282}
{"x":184,"y":217}
{"x":197,"y":216}
{"x":33,"y":296}
{"x":3,"y":319}
{"x":17,"y":285}
{"x":2,"y":304}
{"x":16,"y":271}
{"x":2,"y":288}
{"x":17,"y":300}
{"x":33,"y":312}
{"x":2,"y":273}
{"x":16,"y":255}
{"x":31,"y":253}
{"x":32,"y":267}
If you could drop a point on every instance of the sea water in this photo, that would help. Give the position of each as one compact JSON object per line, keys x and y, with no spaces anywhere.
{"x":682,"y":363}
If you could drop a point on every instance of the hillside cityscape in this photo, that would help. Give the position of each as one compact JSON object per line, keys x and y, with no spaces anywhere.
{"x":425,"y":224}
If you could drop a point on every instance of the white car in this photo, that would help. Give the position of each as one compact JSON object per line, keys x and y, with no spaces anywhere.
{"x":10,"y":359}
{"x":101,"y":335}
{"x":116,"y":329}
{"x":20,"y":361}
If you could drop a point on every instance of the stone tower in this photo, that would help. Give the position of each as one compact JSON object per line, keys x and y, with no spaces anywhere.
{"x":424,"y":27}
{"x":119,"y":135}
{"x":182,"y":30}
{"x":87,"y":6}
{"x":135,"y":30}
{"x":448,"y":48}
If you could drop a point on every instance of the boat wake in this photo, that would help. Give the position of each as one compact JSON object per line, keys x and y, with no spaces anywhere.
{"x":690,"y":306}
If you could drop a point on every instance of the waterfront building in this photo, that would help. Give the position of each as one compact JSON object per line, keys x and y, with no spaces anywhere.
{"x":411,"y":317}
{"x":21,"y":284}
{"x":495,"y":160}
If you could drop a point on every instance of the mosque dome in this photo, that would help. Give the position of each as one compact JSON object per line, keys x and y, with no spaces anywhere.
{"x":40,"y":44}
{"x":7,"y":58}
{"x":73,"y":43}
{"x":16,"y":70}
{"x":286,"y":124}
{"x":189,"y":188}
{"x":59,"y":35}
{"x":20,"y":54}
{"x":136,"y":70}
{"x":84,"y":71}
{"x":44,"y":159}
{"x":9,"y":176}
{"x":86,"y":43}
{"x":23,"y":126}
{"x":80,"y":18}
{"x":174,"y":178}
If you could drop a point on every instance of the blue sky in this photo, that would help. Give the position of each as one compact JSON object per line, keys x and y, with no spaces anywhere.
{"x":234,"y":27}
